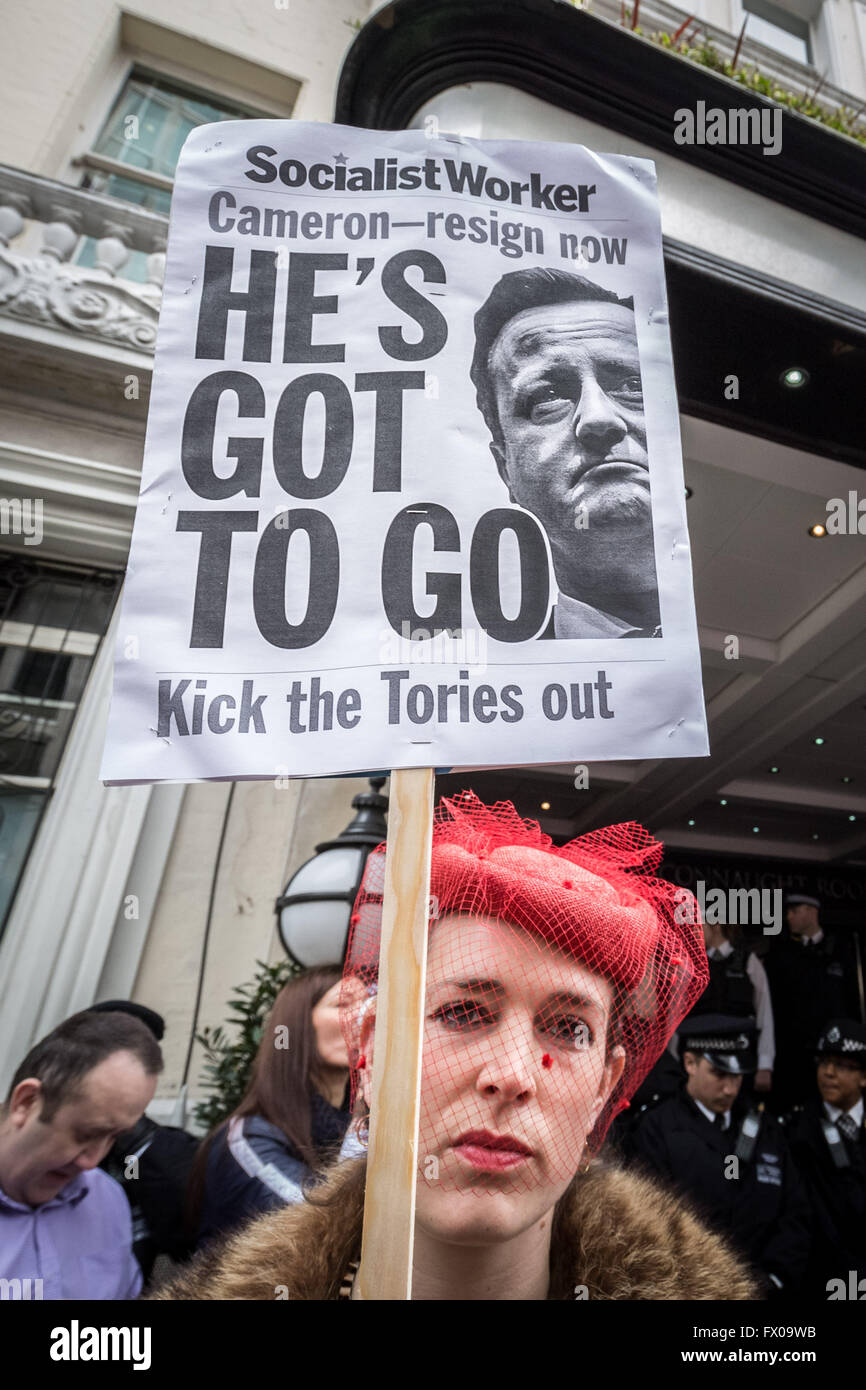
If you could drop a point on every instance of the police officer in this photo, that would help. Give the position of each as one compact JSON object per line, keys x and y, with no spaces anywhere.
{"x":738,"y":988}
{"x":731,"y":1160}
{"x":828,"y":1140}
{"x":812,"y":978}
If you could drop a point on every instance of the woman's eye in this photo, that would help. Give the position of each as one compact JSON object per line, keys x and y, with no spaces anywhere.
{"x":464,"y":1013}
{"x":567,"y":1029}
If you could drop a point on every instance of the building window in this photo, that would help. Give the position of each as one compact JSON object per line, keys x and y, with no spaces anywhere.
{"x":771,"y":25}
{"x":136,"y":153}
{"x":52,"y":618}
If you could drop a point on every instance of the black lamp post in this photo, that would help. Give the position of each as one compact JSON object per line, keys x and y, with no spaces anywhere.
{"x":314,"y":909}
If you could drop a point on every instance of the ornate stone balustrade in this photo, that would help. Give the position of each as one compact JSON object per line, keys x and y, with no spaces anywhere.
{"x":41,"y":287}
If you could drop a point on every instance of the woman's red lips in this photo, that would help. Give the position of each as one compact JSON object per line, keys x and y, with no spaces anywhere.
{"x":485,"y":1150}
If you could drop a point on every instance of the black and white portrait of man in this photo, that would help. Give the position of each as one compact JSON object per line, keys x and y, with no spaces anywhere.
{"x":558,"y":381}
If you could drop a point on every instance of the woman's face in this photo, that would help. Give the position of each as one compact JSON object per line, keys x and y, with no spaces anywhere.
{"x":514,"y":1076}
{"x":330,"y":1043}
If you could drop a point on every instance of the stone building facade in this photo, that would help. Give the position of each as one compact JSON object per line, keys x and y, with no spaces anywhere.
{"x":165,"y":894}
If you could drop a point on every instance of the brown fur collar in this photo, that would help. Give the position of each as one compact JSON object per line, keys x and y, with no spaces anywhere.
{"x":620,"y":1235}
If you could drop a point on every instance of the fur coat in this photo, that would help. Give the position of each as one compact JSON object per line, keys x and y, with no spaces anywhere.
{"x":620,"y":1235}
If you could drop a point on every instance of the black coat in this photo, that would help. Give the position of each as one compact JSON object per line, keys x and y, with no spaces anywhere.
{"x":155,"y":1186}
{"x":837,"y":1195}
{"x":666,"y":1079}
{"x":764,"y":1210}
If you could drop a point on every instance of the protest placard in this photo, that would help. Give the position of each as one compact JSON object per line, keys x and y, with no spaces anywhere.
{"x":412,"y":469}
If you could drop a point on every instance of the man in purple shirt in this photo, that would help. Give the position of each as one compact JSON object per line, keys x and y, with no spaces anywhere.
{"x":65,"y":1226}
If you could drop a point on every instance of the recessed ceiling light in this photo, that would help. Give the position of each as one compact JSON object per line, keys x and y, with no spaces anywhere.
{"x":756,"y":830}
{"x":847,"y":779}
{"x":818,"y":530}
{"x":724,"y":801}
{"x":818,"y":741}
{"x":794,"y":377}
{"x":545,"y":805}
{"x":852,"y":817}
{"x":691,"y":822}
{"x":814,"y":837}
{"x":774,"y":769}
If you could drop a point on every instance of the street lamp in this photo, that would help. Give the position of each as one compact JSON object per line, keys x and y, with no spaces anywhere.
{"x":313,"y":911}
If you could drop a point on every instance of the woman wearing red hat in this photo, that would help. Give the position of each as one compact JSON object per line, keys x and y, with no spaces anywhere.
{"x":555,"y":978}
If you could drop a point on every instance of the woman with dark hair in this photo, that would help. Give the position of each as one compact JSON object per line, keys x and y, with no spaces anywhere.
{"x":292,"y":1118}
{"x":555,"y":977}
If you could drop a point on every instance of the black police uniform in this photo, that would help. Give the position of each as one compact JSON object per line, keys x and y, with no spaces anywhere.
{"x":730,"y":990}
{"x":759,"y":1202}
{"x":833,"y":1164}
{"x":664,"y":1080}
{"x":808,"y":985}
{"x":764,"y":1211}
{"x":837,"y":1195}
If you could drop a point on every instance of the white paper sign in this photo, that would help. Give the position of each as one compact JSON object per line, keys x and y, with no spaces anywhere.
{"x":412,"y":489}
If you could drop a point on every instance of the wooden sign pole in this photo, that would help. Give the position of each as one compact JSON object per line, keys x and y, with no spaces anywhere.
{"x":392,"y":1159}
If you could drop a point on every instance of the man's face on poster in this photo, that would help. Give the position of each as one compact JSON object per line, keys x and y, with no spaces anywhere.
{"x":573,"y":441}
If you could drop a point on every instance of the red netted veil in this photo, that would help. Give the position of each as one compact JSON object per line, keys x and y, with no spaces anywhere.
{"x":555,"y":978}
